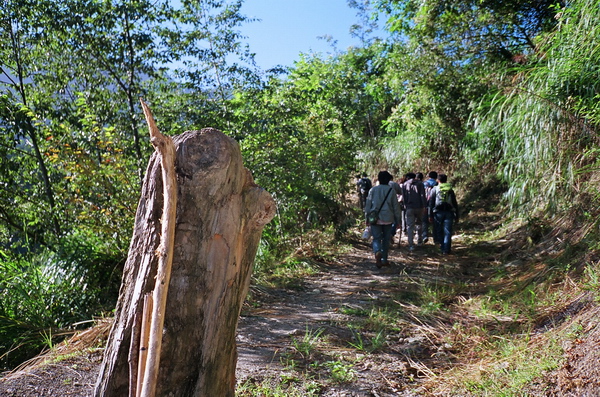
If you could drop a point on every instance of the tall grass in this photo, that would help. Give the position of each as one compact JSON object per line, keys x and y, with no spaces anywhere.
{"x":43,"y":295}
{"x":542,"y":125}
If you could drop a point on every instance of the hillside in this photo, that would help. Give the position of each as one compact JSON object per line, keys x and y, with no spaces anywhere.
{"x":512,"y":312}
{"x":500,"y":95}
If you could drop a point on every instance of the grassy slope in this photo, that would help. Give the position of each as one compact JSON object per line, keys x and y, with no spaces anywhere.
{"x":525,"y":330}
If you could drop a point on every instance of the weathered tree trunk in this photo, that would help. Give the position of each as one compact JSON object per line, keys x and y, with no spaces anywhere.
{"x":220,"y":217}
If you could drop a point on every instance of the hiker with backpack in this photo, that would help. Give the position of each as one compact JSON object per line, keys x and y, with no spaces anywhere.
{"x":398,"y":192}
{"x":429,"y":185}
{"x":363,"y":186}
{"x":443,"y":211}
{"x":381,"y":211}
{"x":413,"y":196}
{"x":402,"y":208}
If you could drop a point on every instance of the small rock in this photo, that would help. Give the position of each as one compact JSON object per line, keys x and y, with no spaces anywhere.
{"x":296,"y":332}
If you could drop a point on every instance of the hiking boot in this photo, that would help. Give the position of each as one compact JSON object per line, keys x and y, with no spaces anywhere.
{"x":378,"y":260}
{"x":411,"y":248}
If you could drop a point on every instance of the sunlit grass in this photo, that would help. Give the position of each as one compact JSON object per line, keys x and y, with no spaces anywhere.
{"x":309,"y":342}
{"x":591,"y":280}
{"x":506,"y":367}
{"x":284,"y":386}
{"x":286,"y":265}
{"x":340,"y":371}
{"x":501,"y":352}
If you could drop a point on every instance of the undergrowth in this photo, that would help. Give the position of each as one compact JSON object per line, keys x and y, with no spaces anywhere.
{"x":286,"y":265}
{"x":44,"y":297}
{"x":493,"y":323}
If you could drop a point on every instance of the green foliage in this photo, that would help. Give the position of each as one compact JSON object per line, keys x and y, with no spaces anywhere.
{"x":282,"y":387}
{"x":362,"y":344}
{"x":446,"y":58}
{"x":299,"y":138}
{"x":341,"y":372}
{"x":592,"y":279}
{"x":505,"y":86}
{"x":72,"y":152}
{"x":41,"y":297}
{"x":515,"y":366}
{"x":212,"y":63}
{"x":309,"y":342}
{"x":474,"y":29}
{"x":542,"y":123}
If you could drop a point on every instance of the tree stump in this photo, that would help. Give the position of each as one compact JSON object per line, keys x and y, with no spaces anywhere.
{"x":220,"y":217}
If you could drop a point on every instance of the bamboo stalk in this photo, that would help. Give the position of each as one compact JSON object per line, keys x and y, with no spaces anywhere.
{"x":165,"y":148}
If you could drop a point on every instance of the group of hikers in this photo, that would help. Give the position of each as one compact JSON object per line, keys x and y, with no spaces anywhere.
{"x":410,"y":205}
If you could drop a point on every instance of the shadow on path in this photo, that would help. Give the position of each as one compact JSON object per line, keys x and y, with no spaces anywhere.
{"x":343,"y":294}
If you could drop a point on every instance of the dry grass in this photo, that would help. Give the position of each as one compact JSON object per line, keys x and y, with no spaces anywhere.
{"x":94,"y":337}
{"x":498,"y":348}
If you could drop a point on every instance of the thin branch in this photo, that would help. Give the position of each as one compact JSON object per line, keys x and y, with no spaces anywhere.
{"x":165,"y":148}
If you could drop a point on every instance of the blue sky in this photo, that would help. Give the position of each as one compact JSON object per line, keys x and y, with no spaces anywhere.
{"x":289,"y":27}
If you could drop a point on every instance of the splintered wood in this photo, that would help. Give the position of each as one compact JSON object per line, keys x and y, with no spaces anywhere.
{"x":197,"y":230}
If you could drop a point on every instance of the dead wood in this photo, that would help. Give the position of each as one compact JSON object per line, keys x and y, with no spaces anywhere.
{"x":219,"y":220}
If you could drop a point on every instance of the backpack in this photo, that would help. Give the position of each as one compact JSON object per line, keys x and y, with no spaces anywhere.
{"x":365,"y":185}
{"x":443,"y":198}
{"x":429,"y":185}
{"x":410,"y":191}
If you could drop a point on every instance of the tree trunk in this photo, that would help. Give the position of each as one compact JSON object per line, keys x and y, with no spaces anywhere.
{"x":220,"y":217}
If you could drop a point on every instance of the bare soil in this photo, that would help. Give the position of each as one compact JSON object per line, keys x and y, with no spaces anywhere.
{"x":301,"y":332}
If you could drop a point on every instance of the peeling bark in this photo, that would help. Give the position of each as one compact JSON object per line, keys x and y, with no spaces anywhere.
{"x":220,"y":216}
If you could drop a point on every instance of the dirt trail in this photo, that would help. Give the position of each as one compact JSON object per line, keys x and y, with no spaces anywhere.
{"x":337,"y":297}
{"x":322,"y":312}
